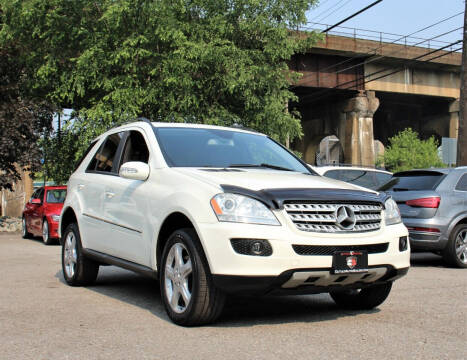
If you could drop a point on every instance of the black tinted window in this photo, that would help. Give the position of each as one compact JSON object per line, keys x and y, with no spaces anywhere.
{"x":135,"y":148}
{"x":420,"y":180}
{"x":104,"y":158}
{"x":462,"y":183}
{"x":78,"y":163}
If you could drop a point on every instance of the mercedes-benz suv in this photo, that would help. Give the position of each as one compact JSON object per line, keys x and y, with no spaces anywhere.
{"x":211,"y":211}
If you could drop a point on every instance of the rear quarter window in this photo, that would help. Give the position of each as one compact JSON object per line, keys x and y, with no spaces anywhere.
{"x":462,"y":183}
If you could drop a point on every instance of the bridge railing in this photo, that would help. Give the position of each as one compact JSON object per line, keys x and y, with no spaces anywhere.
{"x":379,"y":36}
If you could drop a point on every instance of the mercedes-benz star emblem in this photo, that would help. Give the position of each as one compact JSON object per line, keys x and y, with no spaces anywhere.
{"x":345,"y":217}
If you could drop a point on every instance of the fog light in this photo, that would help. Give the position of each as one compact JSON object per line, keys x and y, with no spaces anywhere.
{"x":403,"y":243}
{"x":255,"y":247}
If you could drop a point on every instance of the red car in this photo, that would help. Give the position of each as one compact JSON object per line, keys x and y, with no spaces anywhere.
{"x":42,"y":213}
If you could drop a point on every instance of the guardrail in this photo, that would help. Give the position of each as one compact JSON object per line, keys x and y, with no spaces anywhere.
{"x":379,"y":36}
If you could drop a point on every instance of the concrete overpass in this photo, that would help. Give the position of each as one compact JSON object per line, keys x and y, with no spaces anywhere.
{"x":365,"y":91}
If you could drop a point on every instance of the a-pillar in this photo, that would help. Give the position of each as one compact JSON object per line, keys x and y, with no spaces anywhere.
{"x":454,"y":119}
{"x":359,"y":148}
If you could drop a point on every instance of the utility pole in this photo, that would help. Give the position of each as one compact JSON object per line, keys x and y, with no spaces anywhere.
{"x":462,"y":134}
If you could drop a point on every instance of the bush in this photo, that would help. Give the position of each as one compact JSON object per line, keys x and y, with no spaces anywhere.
{"x":406,"y":151}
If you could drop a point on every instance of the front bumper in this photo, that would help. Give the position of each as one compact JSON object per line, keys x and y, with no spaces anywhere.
{"x":224,"y":261}
{"x":53,"y":228}
{"x":305,"y":281}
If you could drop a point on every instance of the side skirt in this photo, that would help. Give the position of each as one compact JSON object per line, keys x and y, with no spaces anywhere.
{"x":125,"y":264}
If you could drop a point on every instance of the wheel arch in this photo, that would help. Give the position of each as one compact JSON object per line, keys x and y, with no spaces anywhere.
{"x":460,"y":219}
{"x":67,"y":218}
{"x":175,"y":221}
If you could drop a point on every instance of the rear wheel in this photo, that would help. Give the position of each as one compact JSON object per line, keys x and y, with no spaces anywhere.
{"x":46,"y":233}
{"x":190,"y":298}
{"x":77,"y":269}
{"x":24,"y":230}
{"x":455,"y":253}
{"x":362,"y":299}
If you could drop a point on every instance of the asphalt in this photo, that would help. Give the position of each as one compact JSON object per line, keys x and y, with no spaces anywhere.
{"x":122,"y":317}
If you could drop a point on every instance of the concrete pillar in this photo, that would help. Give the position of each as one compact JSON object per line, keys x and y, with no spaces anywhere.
{"x":454,"y":119}
{"x":359,"y":148}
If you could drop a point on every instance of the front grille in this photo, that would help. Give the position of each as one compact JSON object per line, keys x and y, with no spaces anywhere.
{"x":321,"y":217}
{"x":327,"y":250}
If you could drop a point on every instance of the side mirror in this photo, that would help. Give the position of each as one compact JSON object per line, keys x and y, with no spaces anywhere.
{"x":36,"y":201}
{"x":134,"y":170}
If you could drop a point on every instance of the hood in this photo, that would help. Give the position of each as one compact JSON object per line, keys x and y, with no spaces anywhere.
{"x":259,"y":179}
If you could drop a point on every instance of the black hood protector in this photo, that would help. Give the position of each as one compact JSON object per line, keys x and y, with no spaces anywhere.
{"x":275,"y":198}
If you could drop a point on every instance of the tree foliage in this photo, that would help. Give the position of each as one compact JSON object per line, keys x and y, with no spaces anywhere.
{"x":406,"y":151}
{"x":22,"y":121}
{"x":204,"y":61}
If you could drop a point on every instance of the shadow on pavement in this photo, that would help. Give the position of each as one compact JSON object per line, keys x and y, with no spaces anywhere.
{"x":418,"y":259}
{"x":143,"y":292}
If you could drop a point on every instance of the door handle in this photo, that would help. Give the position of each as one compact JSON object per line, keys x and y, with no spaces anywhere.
{"x":109,"y":195}
{"x":80,"y":186}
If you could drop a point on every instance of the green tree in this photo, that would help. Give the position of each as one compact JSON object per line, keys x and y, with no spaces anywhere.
{"x":23,"y":121}
{"x":216,"y":62}
{"x":406,"y":151}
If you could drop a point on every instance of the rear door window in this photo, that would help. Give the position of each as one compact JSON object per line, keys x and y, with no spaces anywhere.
{"x":416,"y":180}
{"x":103,"y":160}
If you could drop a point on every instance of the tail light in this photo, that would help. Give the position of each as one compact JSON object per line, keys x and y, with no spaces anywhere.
{"x":428,"y":202}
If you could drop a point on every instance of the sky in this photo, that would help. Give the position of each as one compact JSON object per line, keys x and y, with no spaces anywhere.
{"x":394,"y":16}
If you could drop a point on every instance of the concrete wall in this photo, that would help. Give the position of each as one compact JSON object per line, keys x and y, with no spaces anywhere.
{"x":413,"y":81}
{"x":12,"y":202}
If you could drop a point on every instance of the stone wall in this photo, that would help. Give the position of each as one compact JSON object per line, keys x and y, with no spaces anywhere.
{"x":12,"y":202}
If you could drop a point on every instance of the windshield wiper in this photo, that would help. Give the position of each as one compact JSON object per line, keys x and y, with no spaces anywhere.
{"x":263,"y":165}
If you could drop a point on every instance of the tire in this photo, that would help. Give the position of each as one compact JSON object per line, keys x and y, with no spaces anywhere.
{"x":362,"y":299}
{"x":77,"y":269}
{"x":24,"y":230}
{"x":455,"y":253}
{"x":187,"y":291}
{"x":46,"y":233}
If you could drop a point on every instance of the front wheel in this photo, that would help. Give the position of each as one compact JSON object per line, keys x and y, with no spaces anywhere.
{"x":190,"y":298}
{"x":77,"y":269}
{"x":46,"y":233}
{"x":362,"y":299}
{"x":455,"y":253}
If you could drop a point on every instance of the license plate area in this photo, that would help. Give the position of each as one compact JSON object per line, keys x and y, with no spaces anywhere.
{"x":349,"y":262}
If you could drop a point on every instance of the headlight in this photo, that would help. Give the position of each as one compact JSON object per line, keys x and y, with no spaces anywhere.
{"x":55,"y":218}
{"x":393,"y":215}
{"x":242,"y":209}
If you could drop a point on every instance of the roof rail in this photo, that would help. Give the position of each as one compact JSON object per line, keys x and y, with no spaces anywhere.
{"x":144,"y":119}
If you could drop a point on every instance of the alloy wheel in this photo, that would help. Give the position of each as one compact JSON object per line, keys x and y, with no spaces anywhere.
{"x":70,"y":257}
{"x":461,"y":246}
{"x":24,"y":228}
{"x":178,"y":278}
{"x":45,"y":231}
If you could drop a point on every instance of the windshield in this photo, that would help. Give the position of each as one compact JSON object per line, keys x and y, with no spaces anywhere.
{"x":197,"y":147}
{"x":56,"y":196}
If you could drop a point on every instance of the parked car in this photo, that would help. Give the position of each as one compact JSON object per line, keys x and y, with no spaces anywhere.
{"x":212,"y":211}
{"x":41,"y":213}
{"x":433,"y":204}
{"x":370,"y":178}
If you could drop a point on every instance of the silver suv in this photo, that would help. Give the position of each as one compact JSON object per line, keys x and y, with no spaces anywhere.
{"x":433,"y":205}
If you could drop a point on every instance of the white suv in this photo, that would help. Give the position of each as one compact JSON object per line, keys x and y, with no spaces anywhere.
{"x":211,"y":211}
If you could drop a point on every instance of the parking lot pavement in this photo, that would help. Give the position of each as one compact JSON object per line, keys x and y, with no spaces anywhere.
{"x":122,"y":317}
